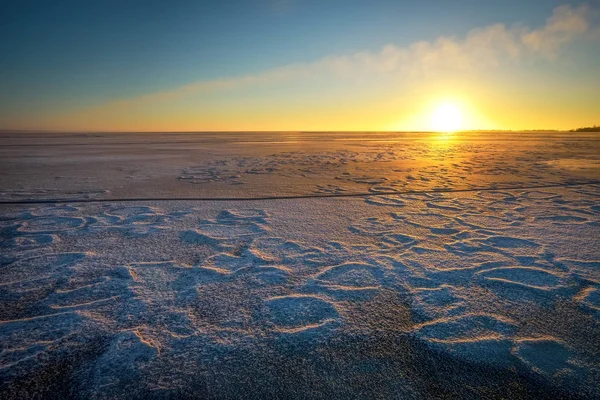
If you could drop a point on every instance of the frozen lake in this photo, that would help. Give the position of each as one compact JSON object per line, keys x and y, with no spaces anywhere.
{"x":400,"y":265}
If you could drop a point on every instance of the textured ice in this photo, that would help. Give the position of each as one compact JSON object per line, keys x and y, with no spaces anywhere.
{"x":481,"y":294}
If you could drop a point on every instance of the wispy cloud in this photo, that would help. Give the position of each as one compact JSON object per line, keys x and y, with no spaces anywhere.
{"x":481,"y":48}
{"x":566,"y":24}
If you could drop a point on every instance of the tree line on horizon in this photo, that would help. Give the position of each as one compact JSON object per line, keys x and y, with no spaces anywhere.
{"x":594,"y":128}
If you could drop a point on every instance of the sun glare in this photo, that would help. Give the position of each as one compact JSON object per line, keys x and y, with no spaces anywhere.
{"x":446,"y":118}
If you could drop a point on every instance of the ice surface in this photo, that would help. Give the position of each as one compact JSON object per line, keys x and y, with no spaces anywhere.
{"x":479,"y":294}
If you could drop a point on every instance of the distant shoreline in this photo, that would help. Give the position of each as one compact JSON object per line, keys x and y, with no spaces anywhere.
{"x":86,"y":132}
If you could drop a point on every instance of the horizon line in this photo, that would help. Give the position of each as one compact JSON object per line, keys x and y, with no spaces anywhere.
{"x":289,"y":131}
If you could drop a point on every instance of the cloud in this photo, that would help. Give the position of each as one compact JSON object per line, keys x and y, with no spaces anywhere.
{"x":481,"y":48}
{"x":560,"y":29}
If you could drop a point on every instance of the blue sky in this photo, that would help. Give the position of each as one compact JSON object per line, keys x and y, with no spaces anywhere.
{"x":61,"y":55}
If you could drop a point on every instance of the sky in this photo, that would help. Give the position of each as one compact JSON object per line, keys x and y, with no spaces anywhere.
{"x":288,"y":65}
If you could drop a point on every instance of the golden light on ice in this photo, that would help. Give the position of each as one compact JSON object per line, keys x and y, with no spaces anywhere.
{"x":446,"y":118}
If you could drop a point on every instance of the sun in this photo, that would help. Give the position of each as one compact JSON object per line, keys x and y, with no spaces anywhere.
{"x":446,"y":118}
